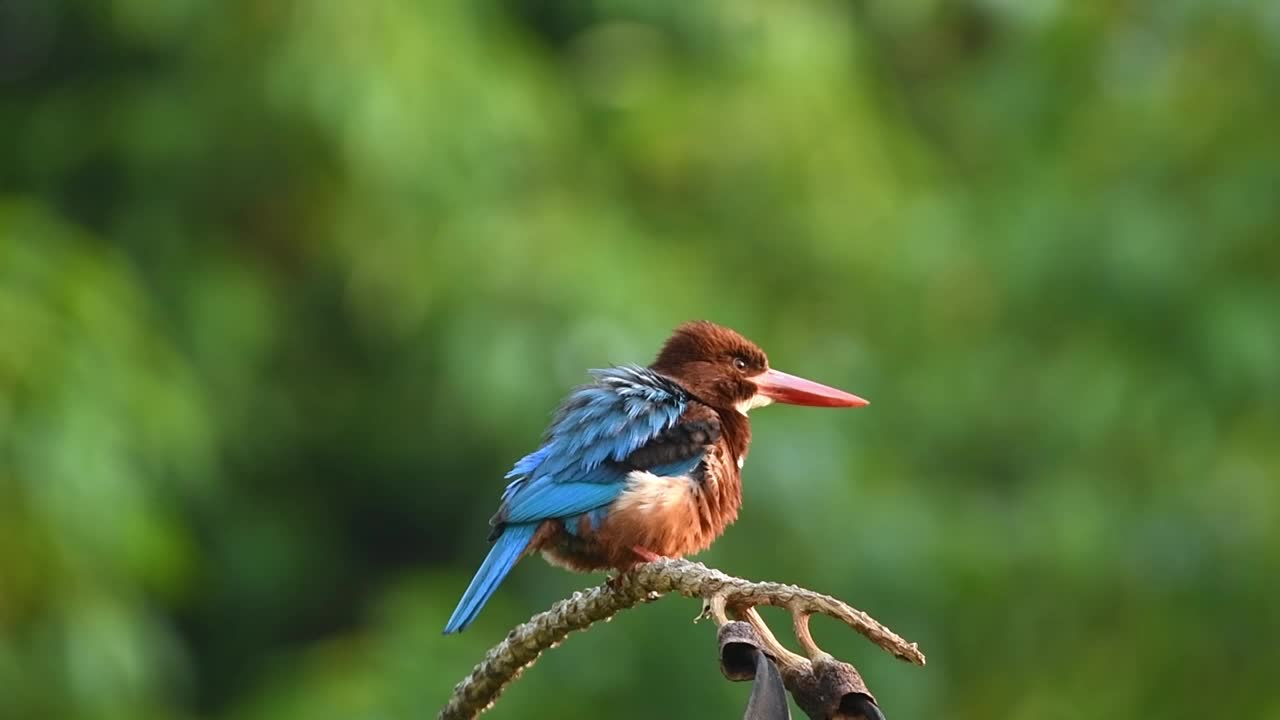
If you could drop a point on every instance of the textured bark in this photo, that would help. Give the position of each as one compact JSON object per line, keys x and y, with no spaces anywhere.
{"x":810,"y":679}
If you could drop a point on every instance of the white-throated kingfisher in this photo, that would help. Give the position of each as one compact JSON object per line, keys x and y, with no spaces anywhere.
{"x":642,"y":463}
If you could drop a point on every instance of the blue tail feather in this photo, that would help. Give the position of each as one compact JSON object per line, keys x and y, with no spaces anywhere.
{"x":506,"y":551}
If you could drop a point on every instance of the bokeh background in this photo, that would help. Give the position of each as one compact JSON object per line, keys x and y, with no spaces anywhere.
{"x":286,"y":286}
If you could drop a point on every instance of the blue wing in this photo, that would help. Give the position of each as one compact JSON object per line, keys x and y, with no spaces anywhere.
{"x":579,"y":466}
{"x":583,"y":464}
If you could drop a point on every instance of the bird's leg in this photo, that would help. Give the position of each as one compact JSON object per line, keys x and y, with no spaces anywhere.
{"x":645,"y":554}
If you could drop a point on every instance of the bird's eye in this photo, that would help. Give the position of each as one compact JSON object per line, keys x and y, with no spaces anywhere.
{"x":740,"y":363}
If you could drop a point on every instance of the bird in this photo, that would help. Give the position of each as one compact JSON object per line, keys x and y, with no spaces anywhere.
{"x":641,"y":463}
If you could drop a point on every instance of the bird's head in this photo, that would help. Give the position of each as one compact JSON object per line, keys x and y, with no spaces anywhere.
{"x":727,"y":371}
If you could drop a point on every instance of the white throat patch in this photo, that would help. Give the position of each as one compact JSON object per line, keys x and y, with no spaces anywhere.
{"x":753,"y":402}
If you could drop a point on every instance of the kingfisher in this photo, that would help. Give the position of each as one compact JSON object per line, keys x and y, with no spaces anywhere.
{"x":641,"y":463}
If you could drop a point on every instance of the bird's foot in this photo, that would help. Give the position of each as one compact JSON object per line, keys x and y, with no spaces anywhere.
{"x":645,"y":554}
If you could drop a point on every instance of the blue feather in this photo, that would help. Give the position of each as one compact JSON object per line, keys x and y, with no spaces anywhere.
{"x":559,"y":500}
{"x":606,"y":421}
{"x":679,"y":467}
{"x":594,"y":517}
{"x":506,"y":551}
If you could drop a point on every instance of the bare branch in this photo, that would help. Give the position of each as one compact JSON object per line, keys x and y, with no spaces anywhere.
{"x":644,"y":583}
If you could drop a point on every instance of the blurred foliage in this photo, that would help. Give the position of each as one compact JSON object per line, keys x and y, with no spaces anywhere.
{"x":286,"y":286}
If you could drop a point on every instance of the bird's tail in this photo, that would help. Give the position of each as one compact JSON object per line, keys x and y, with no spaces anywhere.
{"x":506,"y":551}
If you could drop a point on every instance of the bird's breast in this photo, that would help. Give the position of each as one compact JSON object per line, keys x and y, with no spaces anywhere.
{"x":674,"y":516}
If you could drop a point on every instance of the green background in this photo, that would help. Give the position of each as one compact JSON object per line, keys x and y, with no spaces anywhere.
{"x":285,"y":288}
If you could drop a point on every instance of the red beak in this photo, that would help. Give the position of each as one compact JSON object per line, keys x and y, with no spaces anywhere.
{"x":793,"y":390}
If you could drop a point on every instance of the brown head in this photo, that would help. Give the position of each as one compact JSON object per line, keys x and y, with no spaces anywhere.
{"x":727,"y":371}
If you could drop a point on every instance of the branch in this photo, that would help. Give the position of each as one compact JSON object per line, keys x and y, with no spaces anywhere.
{"x":721,"y":594}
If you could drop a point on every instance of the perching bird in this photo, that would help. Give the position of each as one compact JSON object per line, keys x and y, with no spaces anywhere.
{"x":642,"y":463}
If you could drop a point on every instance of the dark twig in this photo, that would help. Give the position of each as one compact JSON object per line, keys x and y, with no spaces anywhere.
{"x":721,"y":593}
